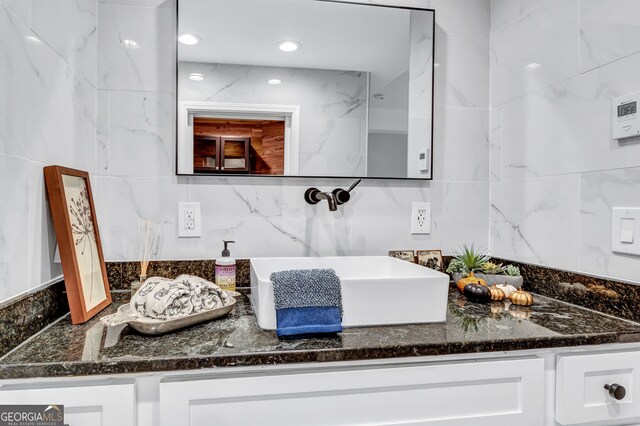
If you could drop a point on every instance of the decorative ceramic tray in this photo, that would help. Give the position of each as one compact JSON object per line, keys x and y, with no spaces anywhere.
{"x":147,"y":325}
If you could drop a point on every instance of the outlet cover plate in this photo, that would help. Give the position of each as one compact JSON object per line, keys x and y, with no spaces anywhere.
{"x":420,"y":218}
{"x":189,"y":220}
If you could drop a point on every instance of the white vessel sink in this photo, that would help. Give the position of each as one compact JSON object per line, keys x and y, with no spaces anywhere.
{"x":376,"y":290}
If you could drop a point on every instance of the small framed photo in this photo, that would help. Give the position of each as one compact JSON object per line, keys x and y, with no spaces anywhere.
{"x":404,"y":255}
{"x":74,"y":219}
{"x":430,"y":258}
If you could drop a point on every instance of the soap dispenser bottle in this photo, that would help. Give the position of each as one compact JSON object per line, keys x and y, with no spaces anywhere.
{"x":226,"y":269}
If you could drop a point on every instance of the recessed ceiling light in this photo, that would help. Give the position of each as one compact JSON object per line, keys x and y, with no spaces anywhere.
{"x":33,"y":39}
{"x":196,"y":76}
{"x":533,"y":66}
{"x":274,"y":81}
{"x":288,"y":45}
{"x":189,"y":39}
{"x":130,"y":44}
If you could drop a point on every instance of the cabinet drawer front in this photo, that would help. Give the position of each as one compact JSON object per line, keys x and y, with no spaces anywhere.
{"x":492,"y":393}
{"x":581,"y":396}
{"x":109,"y":405}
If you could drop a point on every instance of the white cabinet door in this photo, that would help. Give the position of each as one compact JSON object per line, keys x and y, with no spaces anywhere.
{"x":109,"y":405}
{"x":509,"y":392}
{"x":581,"y":396}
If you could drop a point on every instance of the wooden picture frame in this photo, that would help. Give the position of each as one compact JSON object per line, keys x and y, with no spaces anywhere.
{"x":74,"y":219}
{"x":431,"y":259}
{"x":404,"y":255}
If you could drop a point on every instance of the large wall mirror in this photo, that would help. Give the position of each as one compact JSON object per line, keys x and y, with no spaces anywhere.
{"x":304,"y":88}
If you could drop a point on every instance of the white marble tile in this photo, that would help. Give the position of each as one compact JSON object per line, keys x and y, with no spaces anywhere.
{"x":20,"y":8}
{"x":70,"y":28}
{"x":332,"y":136}
{"x":14,"y":226}
{"x":336,"y":164}
{"x":463,"y":16}
{"x":609,"y":30}
{"x":566,"y":128}
{"x":42,"y":236}
{"x":149,"y":64}
{"x":461,"y":144}
{"x":539,"y":49}
{"x":462,"y":77}
{"x":504,"y":12}
{"x":48,"y":109}
{"x":600,"y":192}
{"x":320,"y":93}
{"x":495,"y":145}
{"x":122,"y":202}
{"x":147,"y":3}
{"x":537,"y":220}
{"x":102,"y":133}
{"x":141,"y":134}
{"x":288,"y":226}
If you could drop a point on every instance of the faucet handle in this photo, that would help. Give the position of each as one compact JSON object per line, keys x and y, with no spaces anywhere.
{"x":343,"y":196}
{"x":310,"y":196}
{"x":354,"y":185}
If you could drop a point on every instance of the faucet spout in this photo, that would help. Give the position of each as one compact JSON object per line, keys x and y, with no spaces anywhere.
{"x":314,"y":196}
{"x":331,"y":200}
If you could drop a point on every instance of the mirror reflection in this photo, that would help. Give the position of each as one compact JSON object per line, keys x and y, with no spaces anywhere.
{"x":304,"y":88}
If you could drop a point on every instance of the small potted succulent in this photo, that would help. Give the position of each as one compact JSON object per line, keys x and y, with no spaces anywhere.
{"x":494,"y":273}
{"x":467,"y":260}
{"x":470,"y":260}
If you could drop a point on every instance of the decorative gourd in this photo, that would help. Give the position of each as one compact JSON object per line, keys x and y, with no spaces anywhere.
{"x":507,"y":289}
{"x":471,"y":279}
{"x":477,"y":293}
{"x":521,"y":298}
{"x":496,"y":293}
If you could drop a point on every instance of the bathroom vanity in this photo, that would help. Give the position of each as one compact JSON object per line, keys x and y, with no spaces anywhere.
{"x":487,"y":365}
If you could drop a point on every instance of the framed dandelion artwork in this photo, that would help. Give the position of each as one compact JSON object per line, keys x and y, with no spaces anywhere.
{"x":74,"y":219}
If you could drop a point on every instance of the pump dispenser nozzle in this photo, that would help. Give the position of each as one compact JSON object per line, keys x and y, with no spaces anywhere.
{"x":226,"y":252}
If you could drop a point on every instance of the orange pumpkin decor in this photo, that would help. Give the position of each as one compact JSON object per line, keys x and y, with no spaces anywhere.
{"x":471,"y":279}
{"x":496,"y":293}
{"x":521,"y":298}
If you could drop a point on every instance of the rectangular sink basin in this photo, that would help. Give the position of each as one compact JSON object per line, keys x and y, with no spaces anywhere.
{"x":376,"y":290}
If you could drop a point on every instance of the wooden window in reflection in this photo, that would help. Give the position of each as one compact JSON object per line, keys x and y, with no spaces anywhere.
{"x":238,"y":146}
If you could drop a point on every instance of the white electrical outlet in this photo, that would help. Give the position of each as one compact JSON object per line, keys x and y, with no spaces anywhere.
{"x":189,"y":220}
{"x":420,"y":218}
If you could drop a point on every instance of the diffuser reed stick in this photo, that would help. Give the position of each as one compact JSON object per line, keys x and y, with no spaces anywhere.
{"x":149,"y":233}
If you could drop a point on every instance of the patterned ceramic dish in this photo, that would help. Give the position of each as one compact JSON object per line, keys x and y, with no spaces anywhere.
{"x":153,"y":326}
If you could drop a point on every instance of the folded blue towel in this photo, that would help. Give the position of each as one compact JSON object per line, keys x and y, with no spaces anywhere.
{"x":308,"y":301}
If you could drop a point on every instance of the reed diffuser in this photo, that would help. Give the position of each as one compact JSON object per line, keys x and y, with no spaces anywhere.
{"x":149,"y":236}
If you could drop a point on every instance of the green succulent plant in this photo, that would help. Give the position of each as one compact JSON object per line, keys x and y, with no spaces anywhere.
{"x":471,"y":259}
{"x":457,"y":267}
{"x":491,"y":268}
{"x":512,"y":271}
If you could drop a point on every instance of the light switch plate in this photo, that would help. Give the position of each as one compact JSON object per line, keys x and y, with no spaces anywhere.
{"x":625,"y":230}
{"x":189,"y":220}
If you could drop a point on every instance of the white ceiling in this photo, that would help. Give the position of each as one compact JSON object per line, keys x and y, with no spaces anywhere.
{"x":334,"y":36}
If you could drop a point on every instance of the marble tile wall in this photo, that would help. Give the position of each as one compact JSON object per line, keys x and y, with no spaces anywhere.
{"x":267,"y":216}
{"x":48,"y":110}
{"x":555,"y":170}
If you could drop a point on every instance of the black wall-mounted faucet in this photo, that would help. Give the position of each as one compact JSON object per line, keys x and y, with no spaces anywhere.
{"x":334,"y":198}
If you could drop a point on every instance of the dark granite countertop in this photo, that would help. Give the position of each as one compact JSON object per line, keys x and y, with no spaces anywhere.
{"x":66,"y":350}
